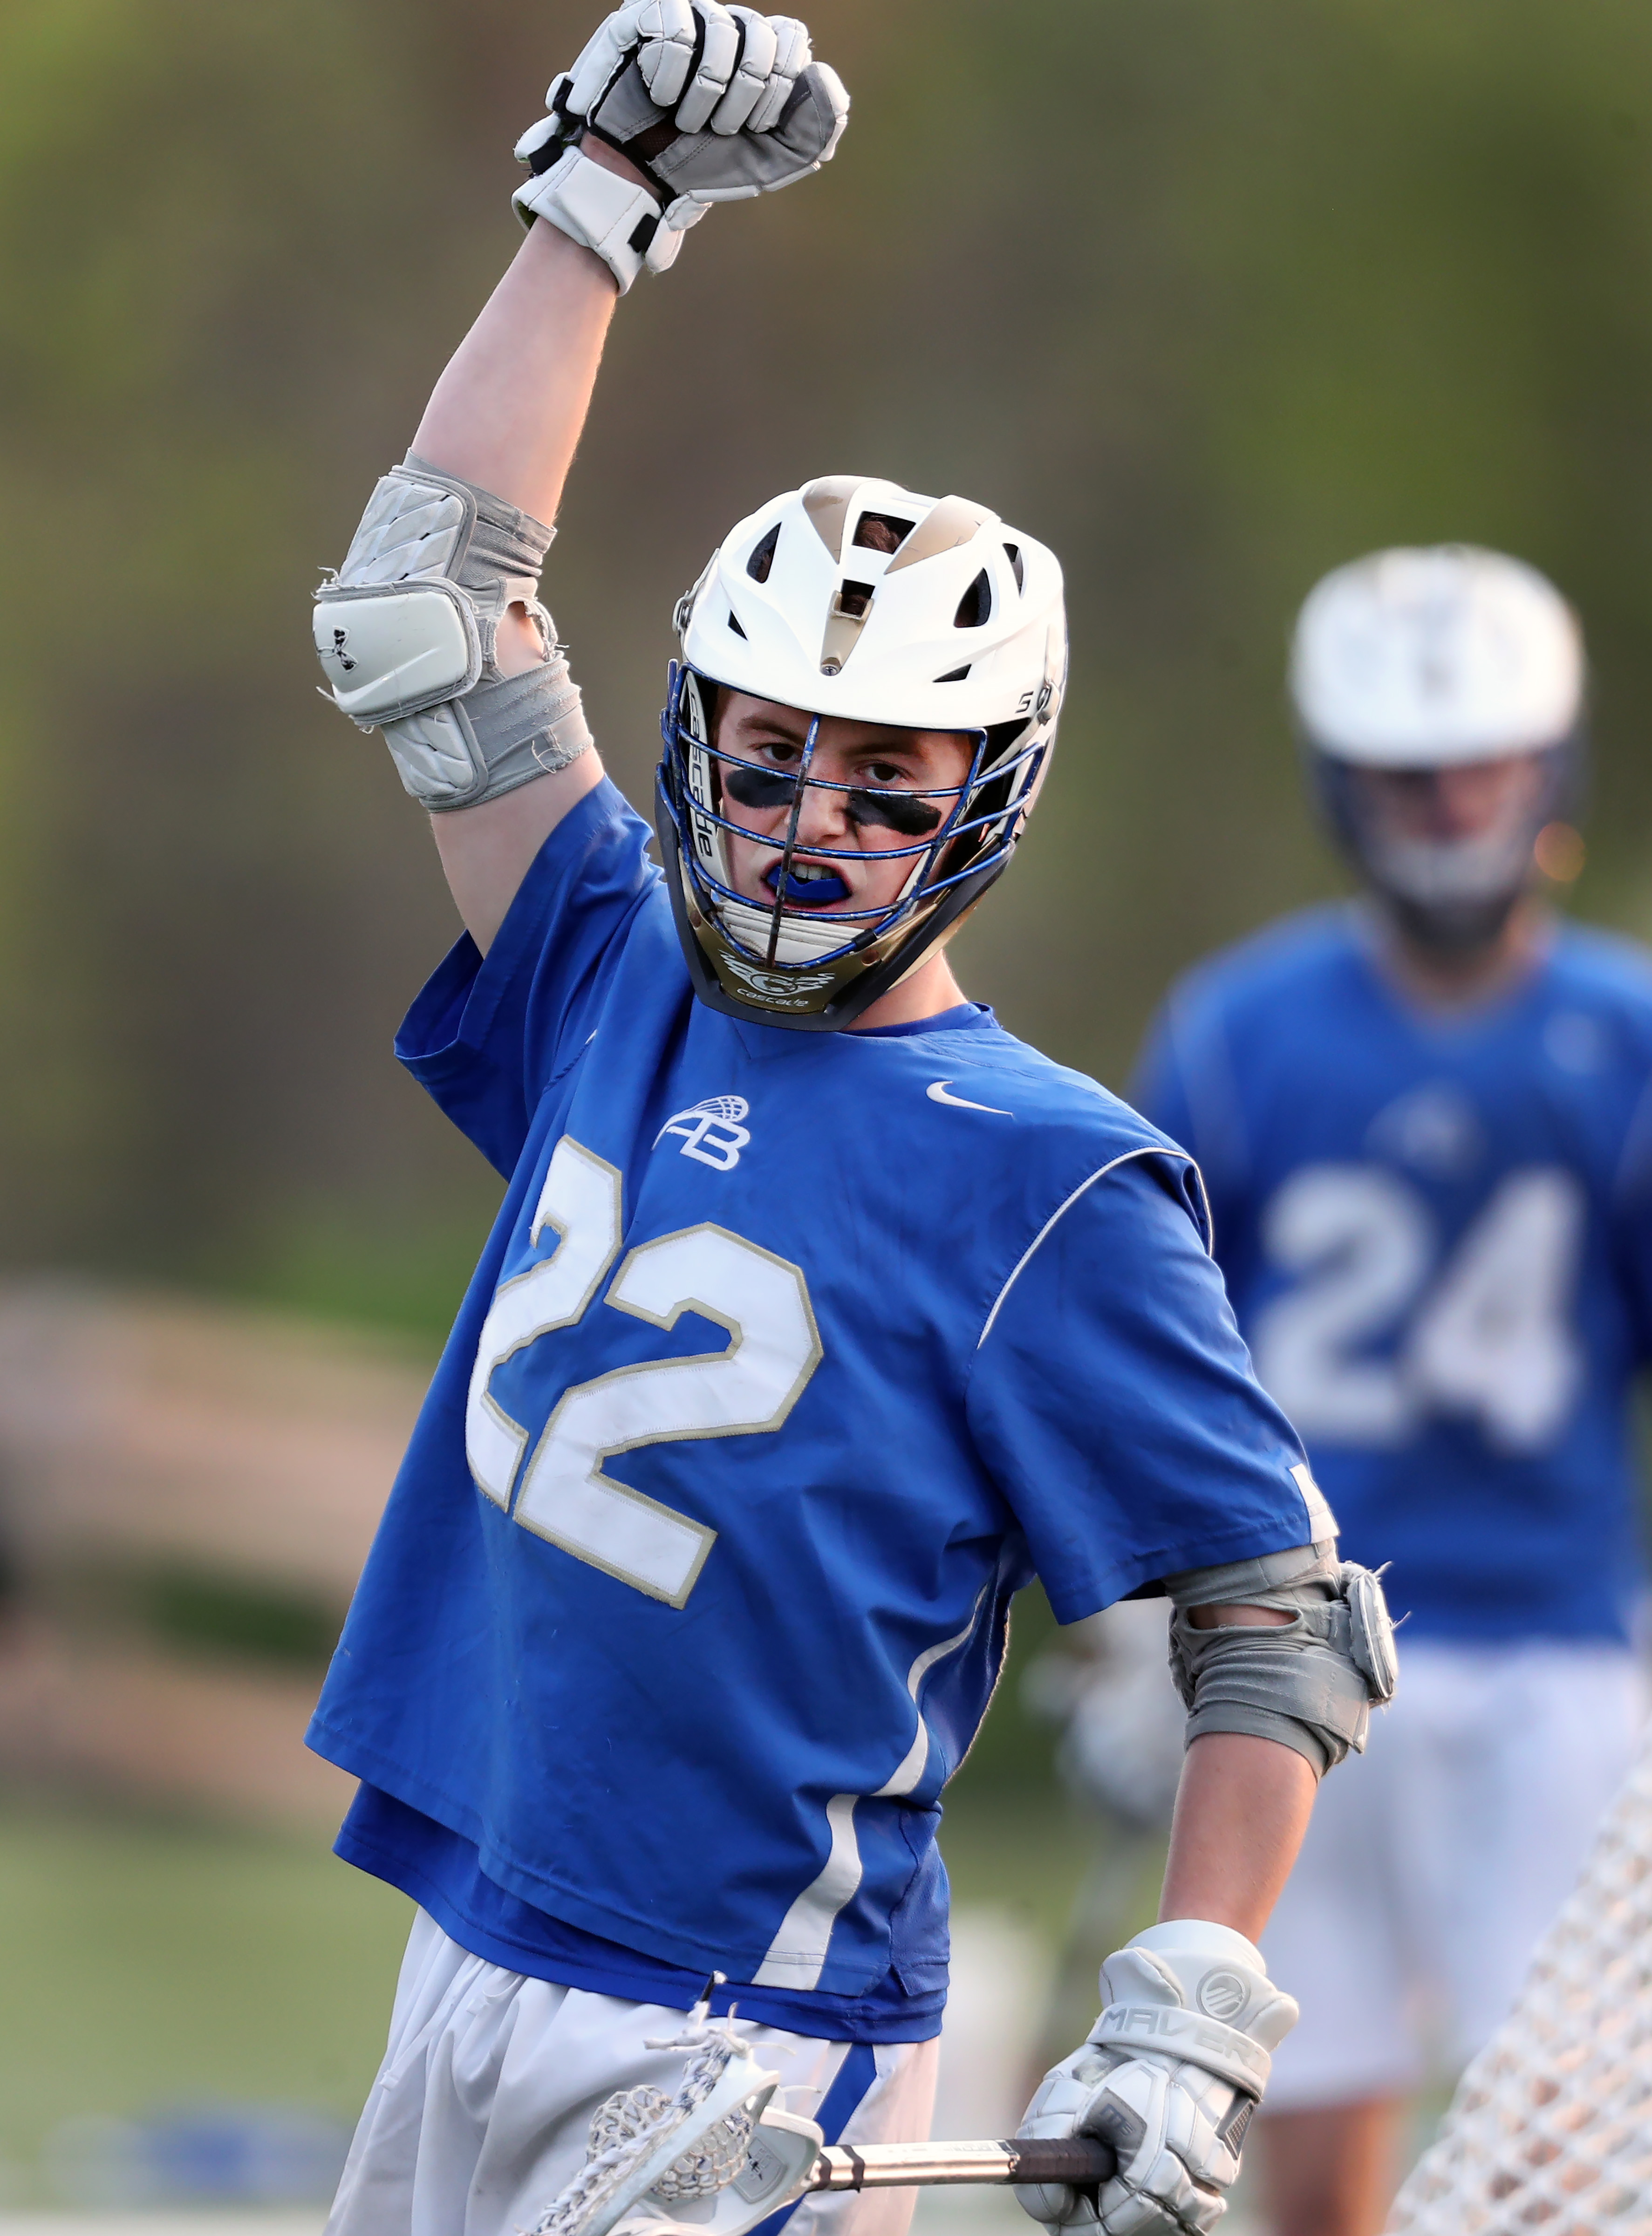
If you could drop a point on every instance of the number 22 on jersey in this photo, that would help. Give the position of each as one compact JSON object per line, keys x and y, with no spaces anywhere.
{"x":747,"y":1387}
{"x":1490,"y":1333}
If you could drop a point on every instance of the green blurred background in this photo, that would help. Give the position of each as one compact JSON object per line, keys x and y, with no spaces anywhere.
{"x":1208,"y":296}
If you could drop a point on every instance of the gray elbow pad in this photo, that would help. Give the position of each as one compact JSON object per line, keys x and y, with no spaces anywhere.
{"x":1310,"y":1683}
{"x":407,"y":635}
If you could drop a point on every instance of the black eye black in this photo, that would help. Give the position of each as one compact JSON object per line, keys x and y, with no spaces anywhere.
{"x":898,"y":811}
{"x":757,"y":787}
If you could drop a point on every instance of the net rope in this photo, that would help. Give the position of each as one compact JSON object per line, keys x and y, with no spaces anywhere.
{"x":1552,"y":2125}
{"x":632,"y":2122}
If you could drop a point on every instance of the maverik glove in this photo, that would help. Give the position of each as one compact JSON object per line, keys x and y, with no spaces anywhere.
{"x":712,"y":104}
{"x":1170,"y":2075}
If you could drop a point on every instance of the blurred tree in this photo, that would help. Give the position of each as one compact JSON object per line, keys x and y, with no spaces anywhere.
{"x":1211,"y":298}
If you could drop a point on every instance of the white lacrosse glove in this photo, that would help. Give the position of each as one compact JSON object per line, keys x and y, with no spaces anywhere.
{"x":712,"y":104}
{"x":1169,"y":2077}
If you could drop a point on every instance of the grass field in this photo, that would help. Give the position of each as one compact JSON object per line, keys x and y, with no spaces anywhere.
{"x":150,"y":1963}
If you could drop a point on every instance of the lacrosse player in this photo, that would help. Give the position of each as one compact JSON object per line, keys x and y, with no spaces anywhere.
{"x":1425,"y":1123}
{"x":820,"y":1315}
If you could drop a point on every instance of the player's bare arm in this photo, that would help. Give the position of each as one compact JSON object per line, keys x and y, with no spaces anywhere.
{"x":511,"y":403}
{"x":507,"y":415}
{"x":1241,"y":1809}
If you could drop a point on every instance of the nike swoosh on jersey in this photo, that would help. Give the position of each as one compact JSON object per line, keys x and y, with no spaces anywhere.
{"x":937,"y":1093}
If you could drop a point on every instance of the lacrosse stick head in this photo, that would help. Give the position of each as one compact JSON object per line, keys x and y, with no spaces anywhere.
{"x":774,"y":2172}
{"x":713,"y":2159}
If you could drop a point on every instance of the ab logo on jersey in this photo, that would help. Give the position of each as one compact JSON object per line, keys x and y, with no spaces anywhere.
{"x":710,"y":1131}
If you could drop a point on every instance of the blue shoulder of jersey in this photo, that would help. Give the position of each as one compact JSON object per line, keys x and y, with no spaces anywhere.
{"x":1598,"y":1030}
{"x":1184,"y":1078}
{"x":1069,"y":1129}
{"x":1188,"y":1462}
{"x":1254,"y":975}
{"x":1587,"y":959}
{"x":1247,"y":981}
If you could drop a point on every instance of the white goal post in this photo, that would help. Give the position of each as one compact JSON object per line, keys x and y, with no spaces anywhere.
{"x":1551,"y":2130}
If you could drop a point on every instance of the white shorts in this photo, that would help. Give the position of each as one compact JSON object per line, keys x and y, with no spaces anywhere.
{"x":1435,"y":1860}
{"x":478,"y":2117}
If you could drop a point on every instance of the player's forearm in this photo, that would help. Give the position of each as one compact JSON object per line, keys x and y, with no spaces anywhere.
{"x":507,"y":412}
{"x":1241,"y":1810}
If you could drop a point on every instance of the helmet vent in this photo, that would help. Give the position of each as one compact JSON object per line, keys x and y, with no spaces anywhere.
{"x":1012,"y":552}
{"x":734,"y":623}
{"x":975,"y":607}
{"x":954,"y":674}
{"x":762,"y":558}
{"x":846,"y":618}
{"x":881,"y":531}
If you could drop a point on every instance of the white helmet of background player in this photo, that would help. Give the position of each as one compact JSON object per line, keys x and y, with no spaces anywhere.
{"x":1426,"y":660}
{"x":855,"y":598}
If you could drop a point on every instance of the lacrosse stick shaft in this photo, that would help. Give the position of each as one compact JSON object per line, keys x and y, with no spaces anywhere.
{"x":1077,"y":2160}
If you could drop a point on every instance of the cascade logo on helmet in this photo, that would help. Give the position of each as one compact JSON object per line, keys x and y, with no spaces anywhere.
{"x":774,"y":985}
{"x":852,"y":602}
{"x":1439,"y":697}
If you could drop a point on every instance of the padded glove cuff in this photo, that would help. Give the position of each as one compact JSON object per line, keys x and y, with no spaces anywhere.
{"x":1194,"y":1991}
{"x":614,"y":218}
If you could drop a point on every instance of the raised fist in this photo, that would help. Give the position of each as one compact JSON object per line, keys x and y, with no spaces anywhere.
{"x":705,"y":65}
{"x":712,"y":104}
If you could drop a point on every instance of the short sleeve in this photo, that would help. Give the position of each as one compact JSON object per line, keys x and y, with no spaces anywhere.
{"x":487,"y":1035}
{"x":1113,"y":1399}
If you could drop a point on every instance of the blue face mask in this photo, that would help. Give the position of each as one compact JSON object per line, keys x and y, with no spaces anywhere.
{"x":742,"y":956}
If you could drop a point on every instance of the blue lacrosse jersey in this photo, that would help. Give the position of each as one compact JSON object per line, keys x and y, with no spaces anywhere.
{"x":1437,"y":1231}
{"x":791,"y":1357}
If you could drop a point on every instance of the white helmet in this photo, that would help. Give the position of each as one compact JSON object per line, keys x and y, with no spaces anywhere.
{"x":853,"y":597}
{"x":1426,"y":659}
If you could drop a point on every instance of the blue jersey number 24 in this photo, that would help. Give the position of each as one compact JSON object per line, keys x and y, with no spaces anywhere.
{"x":1376,"y":1333}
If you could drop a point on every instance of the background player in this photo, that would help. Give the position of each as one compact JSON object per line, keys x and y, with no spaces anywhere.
{"x":1425,"y":1124}
{"x":792,"y":1351}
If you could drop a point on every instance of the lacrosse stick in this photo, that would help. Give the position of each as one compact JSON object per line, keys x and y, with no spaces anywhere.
{"x":716,"y":2159}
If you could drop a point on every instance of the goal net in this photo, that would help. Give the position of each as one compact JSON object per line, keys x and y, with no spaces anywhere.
{"x":1550,"y":2129}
